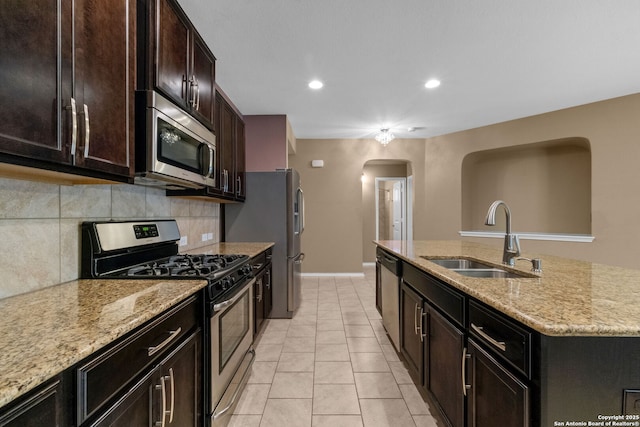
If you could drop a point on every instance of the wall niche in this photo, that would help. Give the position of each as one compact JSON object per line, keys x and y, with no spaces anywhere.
{"x":547,"y":186}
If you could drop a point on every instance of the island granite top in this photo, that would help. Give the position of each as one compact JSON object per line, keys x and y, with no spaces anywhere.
{"x":569,"y":298}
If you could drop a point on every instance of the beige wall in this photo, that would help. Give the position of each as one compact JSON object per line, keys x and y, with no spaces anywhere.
{"x":612,"y":128}
{"x":40,"y":226}
{"x":334,"y":238}
{"x":547,"y":187}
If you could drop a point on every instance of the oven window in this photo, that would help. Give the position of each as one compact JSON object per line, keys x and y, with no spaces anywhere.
{"x":177,"y":148}
{"x":234,"y":326}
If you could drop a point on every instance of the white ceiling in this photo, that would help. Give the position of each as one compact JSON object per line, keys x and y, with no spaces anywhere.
{"x":497,"y":60}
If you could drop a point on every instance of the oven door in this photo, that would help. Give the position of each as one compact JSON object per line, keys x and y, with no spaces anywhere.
{"x":231,"y":352}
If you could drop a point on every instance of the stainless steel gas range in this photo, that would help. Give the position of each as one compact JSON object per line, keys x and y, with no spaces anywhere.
{"x":149,"y":250}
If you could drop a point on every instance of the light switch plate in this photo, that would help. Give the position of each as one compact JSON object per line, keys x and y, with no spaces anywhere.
{"x":631,"y":402}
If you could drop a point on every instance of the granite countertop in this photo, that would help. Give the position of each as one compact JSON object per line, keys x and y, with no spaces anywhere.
{"x":47,"y":331}
{"x":570,"y":298}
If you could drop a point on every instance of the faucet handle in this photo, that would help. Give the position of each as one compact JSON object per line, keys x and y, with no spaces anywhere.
{"x":536,"y":263}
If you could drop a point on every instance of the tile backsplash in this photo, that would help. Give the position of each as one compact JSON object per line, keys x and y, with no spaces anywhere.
{"x":40,"y":226}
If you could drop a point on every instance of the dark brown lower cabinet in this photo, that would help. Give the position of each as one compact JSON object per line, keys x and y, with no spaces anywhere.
{"x":258,"y":308}
{"x":170,"y":394}
{"x":41,"y":407}
{"x":268,"y":292}
{"x":263,"y":294}
{"x":446,"y":349}
{"x":495,"y":395}
{"x":412,"y":345}
{"x":134,"y":408}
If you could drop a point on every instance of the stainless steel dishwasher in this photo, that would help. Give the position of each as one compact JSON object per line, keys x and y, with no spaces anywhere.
{"x":390,"y":273}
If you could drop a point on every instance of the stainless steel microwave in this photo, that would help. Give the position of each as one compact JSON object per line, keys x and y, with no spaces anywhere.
{"x":173,"y":149}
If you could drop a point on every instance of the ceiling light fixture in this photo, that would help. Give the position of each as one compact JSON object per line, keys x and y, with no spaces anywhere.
{"x":384,"y":137}
{"x":315,"y":84}
{"x":433,"y":83}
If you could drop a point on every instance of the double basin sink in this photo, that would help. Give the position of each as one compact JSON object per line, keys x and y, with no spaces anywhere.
{"x":473,"y":268}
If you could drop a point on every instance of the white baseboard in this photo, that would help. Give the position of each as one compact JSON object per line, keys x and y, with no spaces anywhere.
{"x":333,"y":274}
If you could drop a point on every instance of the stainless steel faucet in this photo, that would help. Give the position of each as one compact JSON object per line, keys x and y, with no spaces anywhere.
{"x":511,"y":241}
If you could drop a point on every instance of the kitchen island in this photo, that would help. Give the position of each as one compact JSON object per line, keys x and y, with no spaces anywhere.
{"x":48,"y":331}
{"x":562,"y":345}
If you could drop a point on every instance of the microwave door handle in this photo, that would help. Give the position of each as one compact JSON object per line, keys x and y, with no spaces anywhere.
{"x":212,"y":156}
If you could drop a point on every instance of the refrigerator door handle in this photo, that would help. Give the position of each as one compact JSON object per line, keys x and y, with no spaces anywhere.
{"x":300,"y":210}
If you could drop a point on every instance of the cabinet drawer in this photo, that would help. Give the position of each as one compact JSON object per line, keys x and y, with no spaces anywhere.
{"x":441,"y":295}
{"x":101,"y":377}
{"x":504,"y":337}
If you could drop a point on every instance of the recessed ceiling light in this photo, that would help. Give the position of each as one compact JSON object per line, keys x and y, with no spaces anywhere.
{"x":433,"y":83}
{"x":315,"y":84}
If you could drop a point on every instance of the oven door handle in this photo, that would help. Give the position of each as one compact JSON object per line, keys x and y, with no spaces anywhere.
{"x":221,"y":305}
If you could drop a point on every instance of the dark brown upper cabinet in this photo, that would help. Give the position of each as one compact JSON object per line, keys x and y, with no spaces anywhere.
{"x":67,"y":98}
{"x":230,"y":142}
{"x":178,"y":62}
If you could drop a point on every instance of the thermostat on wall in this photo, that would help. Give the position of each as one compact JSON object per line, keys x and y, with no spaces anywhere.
{"x":317,"y":163}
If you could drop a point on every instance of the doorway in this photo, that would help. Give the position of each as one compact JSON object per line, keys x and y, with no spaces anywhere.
{"x":391,"y":208}
{"x":376,"y":175}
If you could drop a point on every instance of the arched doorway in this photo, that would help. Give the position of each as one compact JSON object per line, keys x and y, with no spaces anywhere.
{"x":387,"y":201}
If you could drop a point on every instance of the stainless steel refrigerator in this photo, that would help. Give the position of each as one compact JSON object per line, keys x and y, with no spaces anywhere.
{"x":273,"y":212}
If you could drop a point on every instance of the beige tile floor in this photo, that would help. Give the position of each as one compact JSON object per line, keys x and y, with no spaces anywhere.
{"x":331,"y":365}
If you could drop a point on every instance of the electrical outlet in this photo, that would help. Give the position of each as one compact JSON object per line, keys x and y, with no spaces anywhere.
{"x":183,"y":241}
{"x":209,"y":236}
{"x":204,"y":237}
{"x":631,"y":402}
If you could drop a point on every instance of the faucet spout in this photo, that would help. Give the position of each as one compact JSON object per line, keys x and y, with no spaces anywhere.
{"x":491,"y":215}
{"x":511,"y":241}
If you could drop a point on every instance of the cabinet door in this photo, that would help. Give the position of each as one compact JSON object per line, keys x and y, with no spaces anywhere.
{"x":268,"y":293}
{"x":258,"y":292}
{"x":240,"y":159}
{"x":104,"y":84}
{"x":446,"y":344}
{"x":495,"y":396}
{"x":182,"y":377}
{"x":226,"y":141}
{"x":378,"y":287}
{"x":412,"y":341}
{"x":135,"y":407}
{"x":36,"y":88}
{"x":40,"y":408}
{"x":172,"y":52}
{"x":203,"y":76}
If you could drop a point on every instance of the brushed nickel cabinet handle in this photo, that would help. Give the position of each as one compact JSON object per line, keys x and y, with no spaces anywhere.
{"x":163,"y":388}
{"x":500,"y":345}
{"x":172,"y":335}
{"x":197,"y":93}
{"x":87,"y":131}
{"x":74,"y":128}
{"x":415,"y":320}
{"x":423,"y":315}
{"x":465,"y":356}
{"x":173,"y":395}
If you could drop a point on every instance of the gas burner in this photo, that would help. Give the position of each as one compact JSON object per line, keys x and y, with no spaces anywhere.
{"x":210,"y":266}
{"x":147,"y":270}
